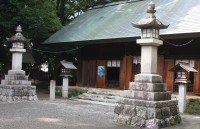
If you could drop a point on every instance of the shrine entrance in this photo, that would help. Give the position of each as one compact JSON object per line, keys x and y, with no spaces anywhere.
{"x":112,"y":73}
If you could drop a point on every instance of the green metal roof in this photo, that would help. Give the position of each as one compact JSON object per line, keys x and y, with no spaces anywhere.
{"x":28,"y":58}
{"x":114,"y":20}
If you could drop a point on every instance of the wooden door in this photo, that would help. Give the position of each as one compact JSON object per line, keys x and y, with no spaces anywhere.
{"x":101,"y":73}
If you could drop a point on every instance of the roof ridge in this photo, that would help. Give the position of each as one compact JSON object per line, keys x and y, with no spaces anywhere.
{"x":113,"y":4}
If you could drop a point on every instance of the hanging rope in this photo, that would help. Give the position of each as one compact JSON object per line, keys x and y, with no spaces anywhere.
{"x":177,"y":45}
{"x":57,"y":51}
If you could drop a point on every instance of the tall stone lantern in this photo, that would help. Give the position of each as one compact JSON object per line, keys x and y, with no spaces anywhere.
{"x":149,"y":41}
{"x":18,"y":41}
{"x":16,"y":86}
{"x":147,"y":104}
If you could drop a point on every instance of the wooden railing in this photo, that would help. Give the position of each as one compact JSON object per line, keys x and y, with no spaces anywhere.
{"x":189,"y":87}
{"x":112,"y":83}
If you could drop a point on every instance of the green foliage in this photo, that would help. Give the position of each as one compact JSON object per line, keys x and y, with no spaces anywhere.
{"x":193,"y":106}
{"x":73,"y":92}
{"x":37,"y":17}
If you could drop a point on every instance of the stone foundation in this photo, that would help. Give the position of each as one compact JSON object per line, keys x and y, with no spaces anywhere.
{"x":16,"y":87}
{"x":17,"y":93}
{"x":147,"y":104}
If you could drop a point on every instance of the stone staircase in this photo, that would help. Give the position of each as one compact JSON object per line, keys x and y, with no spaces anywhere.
{"x":101,"y":96}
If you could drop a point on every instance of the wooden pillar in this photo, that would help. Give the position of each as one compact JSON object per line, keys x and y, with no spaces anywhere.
{"x":168,"y":76}
{"x":122,"y":74}
{"x":197,"y":78}
{"x":160,"y":65}
{"x":129,"y":65}
{"x":125,"y":75}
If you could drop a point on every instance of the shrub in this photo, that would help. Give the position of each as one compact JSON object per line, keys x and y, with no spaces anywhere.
{"x":73,"y":92}
{"x":193,"y":106}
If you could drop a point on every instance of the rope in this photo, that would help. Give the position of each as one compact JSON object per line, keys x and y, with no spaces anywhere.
{"x":177,"y":45}
{"x":57,"y":51}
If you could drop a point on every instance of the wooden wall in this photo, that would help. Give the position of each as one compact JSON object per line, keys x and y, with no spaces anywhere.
{"x":168,"y":76}
{"x":79,"y":73}
{"x":160,"y":65}
{"x":89,"y":72}
{"x":197,"y":77}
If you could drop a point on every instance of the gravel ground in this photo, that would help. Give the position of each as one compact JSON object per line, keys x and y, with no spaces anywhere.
{"x":59,"y":114}
{"x":68,"y":114}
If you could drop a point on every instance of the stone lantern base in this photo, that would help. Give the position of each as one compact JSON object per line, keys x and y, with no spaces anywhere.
{"x":16,"y":87}
{"x":147,"y":104}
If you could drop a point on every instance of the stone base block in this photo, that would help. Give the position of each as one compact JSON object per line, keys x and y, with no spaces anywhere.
{"x":16,"y":77}
{"x":150,"y":96}
{"x":148,"y":87}
{"x":147,"y":114}
{"x":17,"y":93}
{"x":148,"y":78}
{"x":15,"y":82}
{"x":16,"y":72}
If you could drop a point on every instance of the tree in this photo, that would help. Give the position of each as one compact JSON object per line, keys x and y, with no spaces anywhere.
{"x":67,"y":10}
{"x":38,"y":19}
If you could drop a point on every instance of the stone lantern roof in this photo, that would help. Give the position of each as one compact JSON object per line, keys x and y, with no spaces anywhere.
{"x":18,"y":37}
{"x":150,"y":20}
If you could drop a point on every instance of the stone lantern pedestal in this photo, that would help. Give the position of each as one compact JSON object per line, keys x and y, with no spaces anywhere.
{"x":16,"y":86}
{"x":147,"y":103}
{"x":182,"y":100}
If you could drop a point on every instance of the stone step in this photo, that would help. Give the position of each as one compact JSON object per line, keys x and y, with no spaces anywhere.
{"x":99,"y":99}
{"x":100,"y":96}
{"x":110,"y":93}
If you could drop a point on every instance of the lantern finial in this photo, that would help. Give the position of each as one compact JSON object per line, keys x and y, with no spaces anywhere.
{"x":19,"y":29}
{"x":151,"y":10}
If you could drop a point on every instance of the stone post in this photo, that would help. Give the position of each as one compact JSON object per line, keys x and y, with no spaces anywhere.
{"x":182,"y":100}
{"x":52,"y":89}
{"x":17,"y":58}
{"x":65,"y":87}
{"x":149,"y":55}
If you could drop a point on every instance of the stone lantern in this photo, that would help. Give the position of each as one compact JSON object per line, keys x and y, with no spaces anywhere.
{"x":16,"y":86}
{"x":147,"y":103}
{"x":18,"y":41}
{"x":149,"y":41}
{"x":66,"y":72}
{"x":182,"y":71}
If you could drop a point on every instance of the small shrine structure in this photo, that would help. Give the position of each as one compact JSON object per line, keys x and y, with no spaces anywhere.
{"x":182,"y":70}
{"x":66,"y":72}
